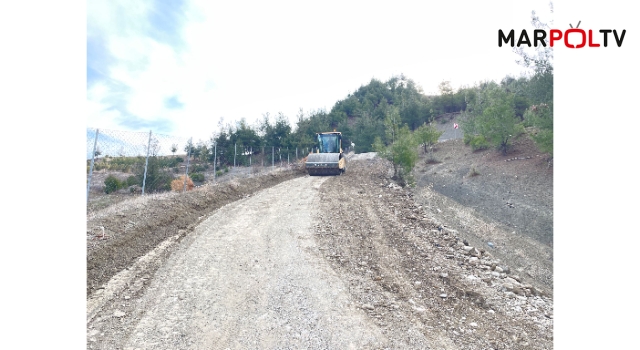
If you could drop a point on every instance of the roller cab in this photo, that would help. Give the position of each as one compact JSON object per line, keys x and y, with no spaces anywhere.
{"x":329,"y":158}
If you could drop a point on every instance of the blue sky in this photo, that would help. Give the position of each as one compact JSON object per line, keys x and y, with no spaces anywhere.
{"x":179,"y":67}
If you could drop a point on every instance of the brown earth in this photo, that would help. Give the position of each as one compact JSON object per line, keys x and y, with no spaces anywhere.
{"x":501,"y":203}
{"x":133,"y":226}
{"x":416,"y":263}
{"x":413,"y":271}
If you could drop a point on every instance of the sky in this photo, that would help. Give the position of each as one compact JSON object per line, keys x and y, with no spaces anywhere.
{"x":179,"y":67}
{"x":50,"y":98}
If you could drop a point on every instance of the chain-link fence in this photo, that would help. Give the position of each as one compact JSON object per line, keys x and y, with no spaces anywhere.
{"x":146,"y":162}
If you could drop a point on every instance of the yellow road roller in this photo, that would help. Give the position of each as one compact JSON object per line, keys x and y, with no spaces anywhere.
{"x":329,"y":158}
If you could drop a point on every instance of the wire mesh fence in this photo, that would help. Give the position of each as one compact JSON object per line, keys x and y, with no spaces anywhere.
{"x":146,"y":162}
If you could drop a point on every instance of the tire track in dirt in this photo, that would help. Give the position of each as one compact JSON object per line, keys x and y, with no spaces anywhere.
{"x":249,"y":276}
{"x":415,"y":277}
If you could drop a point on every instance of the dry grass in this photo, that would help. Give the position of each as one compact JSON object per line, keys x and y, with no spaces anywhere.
{"x":177,"y":185}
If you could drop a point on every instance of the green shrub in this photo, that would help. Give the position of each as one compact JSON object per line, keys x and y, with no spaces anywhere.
{"x":167,"y":162}
{"x":132,"y":180}
{"x":198,"y":177}
{"x":519,"y":130}
{"x":112,"y":184}
{"x":199,"y":168}
{"x":124,"y":164}
{"x":479,"y":143}
{"x":402,"y":153}
{"x":226,"y":169}
{"x":467,"y":139}
{"x":179,"y":160}
{"x":219,"y":173}
{"x":157,"y":179}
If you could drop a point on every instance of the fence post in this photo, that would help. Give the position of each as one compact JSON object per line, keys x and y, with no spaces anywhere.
{"x":186,"y":171}
{"x":235,"y":151}
{"x":93,"y":157}
{"x":215,"y":148}
{"x":146,"y":163}
{"x":250,"y":154}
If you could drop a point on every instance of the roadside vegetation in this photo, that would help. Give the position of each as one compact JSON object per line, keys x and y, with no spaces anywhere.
{"x":393,"y":117}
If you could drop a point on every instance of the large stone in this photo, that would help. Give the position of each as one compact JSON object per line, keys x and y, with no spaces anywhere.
{"x":368,"y":306}
{"x":519,"y":291}
{"x":512,"y":281}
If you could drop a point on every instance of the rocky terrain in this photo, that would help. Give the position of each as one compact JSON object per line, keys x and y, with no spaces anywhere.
{"x":422,"y":281}
{"x":292,"y":261}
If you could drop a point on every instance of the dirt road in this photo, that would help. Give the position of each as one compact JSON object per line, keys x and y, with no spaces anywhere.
{"x":321,"y":262}
{"x":248,"y":277}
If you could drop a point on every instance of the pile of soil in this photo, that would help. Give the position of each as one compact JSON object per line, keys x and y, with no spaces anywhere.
{"x":125,"y":231}
{"x":412,"y":272}
{"x":503,"y":203}
{"x":459,"y":261}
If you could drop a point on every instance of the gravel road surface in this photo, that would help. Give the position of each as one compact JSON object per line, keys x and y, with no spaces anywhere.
{"x":248,"y":277}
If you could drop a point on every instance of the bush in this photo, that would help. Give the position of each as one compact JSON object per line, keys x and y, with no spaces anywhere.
{"x":157,"y":179}
{"x":168,"y":162}
{"x":540,"y":117}
{"x":427,"y":135}
{"x":199,"y":168}
{"x":219,"y":173}
{"x":132,"y":180}
{"x":124,"y":164}
{"x":178,"y":184}
{"x":402,"y":153}
{"x":198,"y":177}
{"x":112,"y":184}
{"x":519,"y":130}
{"x":479,"y":143}
{"x":179,"y":160}
{"x":467,"y":138}
{"x":226,"y":169}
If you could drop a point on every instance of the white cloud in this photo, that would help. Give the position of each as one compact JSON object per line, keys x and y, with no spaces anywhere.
{"x":244,"y":59}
